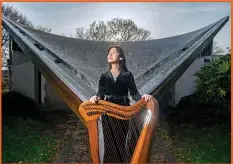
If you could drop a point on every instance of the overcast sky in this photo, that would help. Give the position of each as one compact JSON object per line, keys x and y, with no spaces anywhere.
{"x":162,"y":19}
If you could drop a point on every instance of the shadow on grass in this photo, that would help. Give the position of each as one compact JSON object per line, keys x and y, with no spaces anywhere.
{"x":17,"y":105}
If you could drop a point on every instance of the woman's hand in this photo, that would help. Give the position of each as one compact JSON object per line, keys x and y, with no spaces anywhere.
{"x":94,"y":99}
{"x":147,"y":97}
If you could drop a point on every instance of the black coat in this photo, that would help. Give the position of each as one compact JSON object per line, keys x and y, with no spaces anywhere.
{"x":115,"y":130}
{"x":117,"y":91}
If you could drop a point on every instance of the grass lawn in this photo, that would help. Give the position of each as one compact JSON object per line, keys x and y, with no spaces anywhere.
{"x":30,"y":135}
{"x":22,"y":141}
{"x":198,"y":134}
{"x":198,"y":145}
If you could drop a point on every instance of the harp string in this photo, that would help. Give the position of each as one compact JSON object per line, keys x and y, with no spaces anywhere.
{"x":113,"y":146}
{"x":128,"y":148}
{"x":110,"y":152}
{"x":135,"y":127}
{"x":131,"y":136}
{"x":117,"y":135}
{"x":121,"y":136}
{"x":125,"y":126}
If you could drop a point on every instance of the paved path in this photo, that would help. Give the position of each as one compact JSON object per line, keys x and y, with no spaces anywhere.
{"x":77,"y":149}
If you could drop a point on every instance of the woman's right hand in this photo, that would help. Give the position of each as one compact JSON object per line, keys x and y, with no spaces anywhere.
{"x":94,"y":99}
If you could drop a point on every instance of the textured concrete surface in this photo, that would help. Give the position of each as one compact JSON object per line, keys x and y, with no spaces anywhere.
{"x":90,"y":57}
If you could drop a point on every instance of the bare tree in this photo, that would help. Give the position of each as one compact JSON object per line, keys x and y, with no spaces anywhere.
{"x":126,"y":30}
{"x":81,"y":33}
{"x":45,"y":29}
{"x":5,"y":48}
{"x":217,"y":49}
{"x":116,"y":29}
{"x":14,"y":15}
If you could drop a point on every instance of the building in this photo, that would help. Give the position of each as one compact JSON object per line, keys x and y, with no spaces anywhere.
{"x":5,"y":73}
{"x":5,"y":78}
{"x":58,"y":71}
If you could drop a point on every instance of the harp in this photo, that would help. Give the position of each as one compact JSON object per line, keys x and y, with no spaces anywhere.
{"x":145,"y":114}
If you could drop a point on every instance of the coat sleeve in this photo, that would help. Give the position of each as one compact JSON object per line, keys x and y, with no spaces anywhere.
{"x":101,"y":88}
{"x":133,"y":88}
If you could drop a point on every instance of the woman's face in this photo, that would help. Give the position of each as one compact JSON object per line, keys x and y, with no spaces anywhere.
{"x":113,"y":56}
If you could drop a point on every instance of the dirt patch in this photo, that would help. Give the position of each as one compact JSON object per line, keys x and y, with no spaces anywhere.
{"x":80,"y":151}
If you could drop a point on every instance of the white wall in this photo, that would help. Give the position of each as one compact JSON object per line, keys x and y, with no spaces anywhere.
{"x":185,"y":85}
{"x":23,"y":79}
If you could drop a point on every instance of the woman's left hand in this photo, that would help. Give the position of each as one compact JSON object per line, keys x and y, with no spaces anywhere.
{"x":147,"y":97}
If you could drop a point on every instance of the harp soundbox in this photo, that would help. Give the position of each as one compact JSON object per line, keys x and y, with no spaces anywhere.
{"x":142,"y":113}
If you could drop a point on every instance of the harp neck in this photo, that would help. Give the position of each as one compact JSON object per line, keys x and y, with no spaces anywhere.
{"x":91,"y":111}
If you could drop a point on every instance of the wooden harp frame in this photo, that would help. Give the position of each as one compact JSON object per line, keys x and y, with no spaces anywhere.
{"x":91,"y":112}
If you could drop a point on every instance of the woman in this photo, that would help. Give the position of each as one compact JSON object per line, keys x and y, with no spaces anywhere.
{"x":114,"y":86}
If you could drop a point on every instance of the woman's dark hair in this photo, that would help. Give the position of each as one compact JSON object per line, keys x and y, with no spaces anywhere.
{"x":122,"y":55}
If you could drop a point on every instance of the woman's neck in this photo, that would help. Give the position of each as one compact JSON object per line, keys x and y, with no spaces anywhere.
{"x":115,"y":68}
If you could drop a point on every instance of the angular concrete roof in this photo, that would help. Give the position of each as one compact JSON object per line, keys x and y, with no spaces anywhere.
{"x":79,"y":63}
